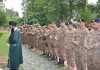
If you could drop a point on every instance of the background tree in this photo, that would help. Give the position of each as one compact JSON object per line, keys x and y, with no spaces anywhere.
{"x":98,"y":9}
{"x":43,"y":11}
{"x":3,"y":19}
{"x":13,"y":16}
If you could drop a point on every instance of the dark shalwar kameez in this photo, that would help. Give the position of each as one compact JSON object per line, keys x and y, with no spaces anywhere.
{"x":15,"y":50}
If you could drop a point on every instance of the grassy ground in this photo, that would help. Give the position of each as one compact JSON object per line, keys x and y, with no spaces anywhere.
{"x":3,"y":45}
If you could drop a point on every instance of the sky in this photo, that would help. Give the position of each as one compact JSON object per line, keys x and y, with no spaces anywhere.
{"x":16,"y":5}
{"x":92,"y":1}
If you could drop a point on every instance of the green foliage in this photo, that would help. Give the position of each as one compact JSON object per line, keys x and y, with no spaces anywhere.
{"x":87,"y":14}
{"x":10,"y":18}
{"x":92,"y":7}
{"x":20,"y":21}
{"x":3,"y":19}
{"x":13,"y":16}
{"x":98,"y":9}
{"x":43,"y":11}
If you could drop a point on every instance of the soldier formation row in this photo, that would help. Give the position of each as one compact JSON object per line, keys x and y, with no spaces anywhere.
{"x":76,"y":46}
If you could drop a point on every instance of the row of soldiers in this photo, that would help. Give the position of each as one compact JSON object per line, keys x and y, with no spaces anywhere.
{"x":73,"y":45}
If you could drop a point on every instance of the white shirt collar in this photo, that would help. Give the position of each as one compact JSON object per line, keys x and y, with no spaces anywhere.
{"x":16,"y":28}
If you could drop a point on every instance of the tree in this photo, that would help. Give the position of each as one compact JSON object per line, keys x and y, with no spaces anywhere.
{"x":43,"y":11}
{"x":98,"y":8}
{"x":13,"y":16}
{"x":47,"y":10}
{"x":3,"y":19}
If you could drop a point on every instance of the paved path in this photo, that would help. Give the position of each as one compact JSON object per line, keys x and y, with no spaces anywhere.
{"x":2,"y":61}
{"x":34,"y":61}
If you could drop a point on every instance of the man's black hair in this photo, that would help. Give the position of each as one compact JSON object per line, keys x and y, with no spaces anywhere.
{"x":13,"y":23}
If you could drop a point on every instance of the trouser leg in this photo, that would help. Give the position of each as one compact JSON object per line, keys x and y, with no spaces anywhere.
{"x":14,"y":69}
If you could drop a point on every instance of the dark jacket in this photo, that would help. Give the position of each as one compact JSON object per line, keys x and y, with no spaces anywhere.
{"x":15,"y":50}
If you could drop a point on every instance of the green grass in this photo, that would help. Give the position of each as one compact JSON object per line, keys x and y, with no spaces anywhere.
{"x":3,"y":45}
{"x":1,"y":34}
